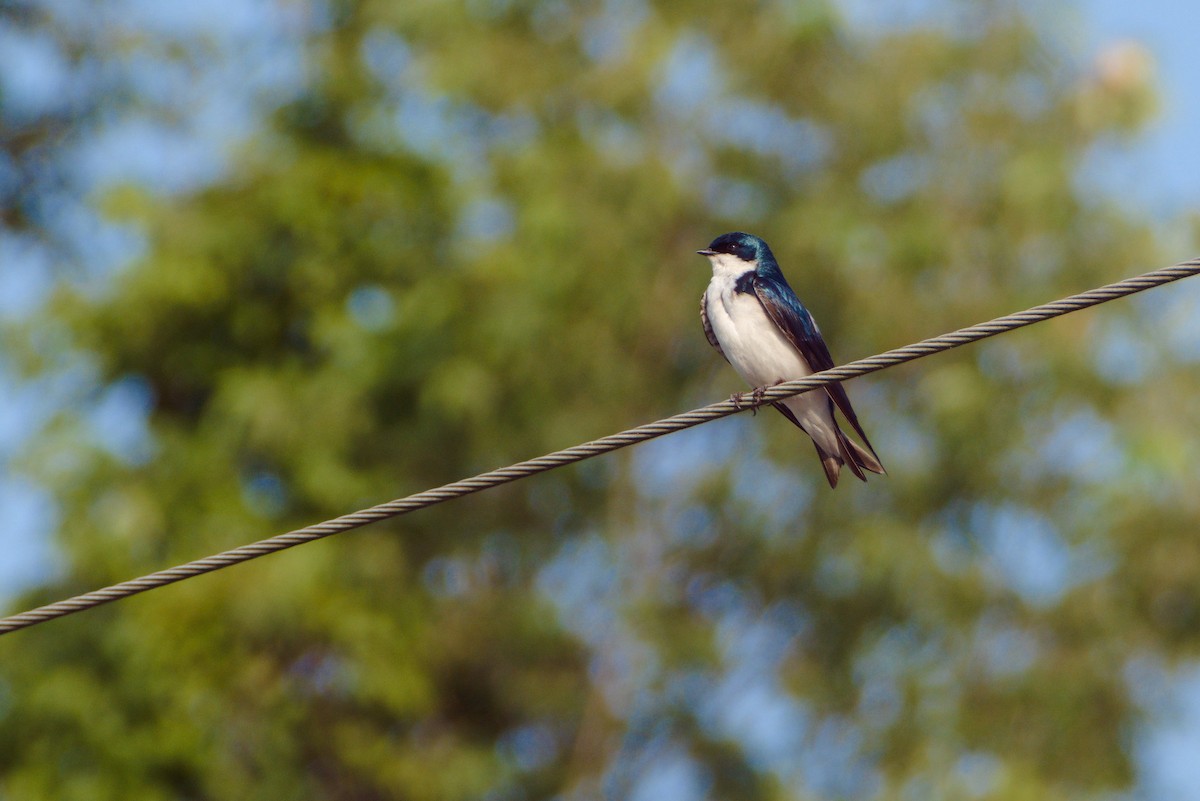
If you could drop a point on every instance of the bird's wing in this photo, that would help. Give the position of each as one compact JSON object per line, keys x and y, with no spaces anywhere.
{"x":708,"y":332}
{"x":790,"y":316}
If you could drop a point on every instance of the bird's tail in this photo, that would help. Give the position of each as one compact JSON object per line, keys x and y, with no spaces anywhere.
{"x":865,"y":457}
{"x":849,"y":453}
{"x":832,"y":463}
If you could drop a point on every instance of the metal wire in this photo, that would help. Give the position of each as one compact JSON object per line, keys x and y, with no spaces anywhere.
{"x":587,"y":450}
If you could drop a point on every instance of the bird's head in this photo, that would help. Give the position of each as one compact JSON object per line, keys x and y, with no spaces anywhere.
{"x":736,"y":253}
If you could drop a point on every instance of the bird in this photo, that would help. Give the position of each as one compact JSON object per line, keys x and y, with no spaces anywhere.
{"x":755,"y":321}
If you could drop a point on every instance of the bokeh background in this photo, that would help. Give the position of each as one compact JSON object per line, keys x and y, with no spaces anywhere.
{"x":263,"y":262}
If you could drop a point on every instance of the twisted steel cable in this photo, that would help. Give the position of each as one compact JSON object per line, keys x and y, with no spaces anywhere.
{"x":612,"y":442}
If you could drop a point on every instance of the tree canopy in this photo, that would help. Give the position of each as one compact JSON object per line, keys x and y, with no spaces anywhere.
{"x":465,"y":238}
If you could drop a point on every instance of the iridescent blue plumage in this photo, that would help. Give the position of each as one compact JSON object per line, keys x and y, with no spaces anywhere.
{"x":773,"y":338}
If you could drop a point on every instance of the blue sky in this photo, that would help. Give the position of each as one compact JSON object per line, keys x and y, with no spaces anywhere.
{"x":1167,"y":154}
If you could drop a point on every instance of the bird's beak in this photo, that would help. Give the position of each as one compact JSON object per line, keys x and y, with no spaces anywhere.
{"x":707,"y":252}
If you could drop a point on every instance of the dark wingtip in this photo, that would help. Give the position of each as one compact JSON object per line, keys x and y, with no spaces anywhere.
{"x":848,"y":455}
{"x":864,"y":457}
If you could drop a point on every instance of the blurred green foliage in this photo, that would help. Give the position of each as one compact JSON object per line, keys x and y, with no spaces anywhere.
{"x":468,"y":240}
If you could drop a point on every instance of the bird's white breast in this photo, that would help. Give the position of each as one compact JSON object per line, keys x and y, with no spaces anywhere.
{"x":754,"y":345}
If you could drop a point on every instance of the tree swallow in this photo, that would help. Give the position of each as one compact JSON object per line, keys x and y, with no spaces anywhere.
{"x":754,"y":319}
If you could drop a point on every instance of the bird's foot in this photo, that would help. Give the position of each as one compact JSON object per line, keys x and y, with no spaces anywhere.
{"x":756,"y":396}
